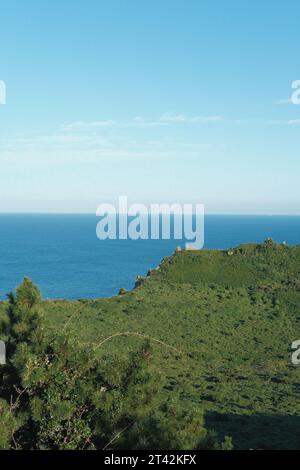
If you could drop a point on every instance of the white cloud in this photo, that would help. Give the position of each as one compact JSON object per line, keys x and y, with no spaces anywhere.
{"x":172,"y":117}
{"x":138,"y":121}
{"x":182,"y":118}
{"x":285,"y":101}
{"x":79,"y":125}
{"x":94,"y":125}
{"x":62,"y":149}
{"x":85,"y":141}
{"x":294,"y":122}
{"x":53,"y":141}
{"x":206,"y":119}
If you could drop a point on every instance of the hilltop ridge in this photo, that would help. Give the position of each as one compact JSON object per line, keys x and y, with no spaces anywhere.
{"x":232,"y":315}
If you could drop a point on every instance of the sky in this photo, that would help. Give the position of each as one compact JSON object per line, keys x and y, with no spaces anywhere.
{"x":177,"y":101}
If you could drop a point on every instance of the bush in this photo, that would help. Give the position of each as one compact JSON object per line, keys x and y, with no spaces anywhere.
{"x":62,"y":396}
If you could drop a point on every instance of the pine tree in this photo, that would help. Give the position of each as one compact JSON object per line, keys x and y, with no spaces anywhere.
{"x":58,"y":394}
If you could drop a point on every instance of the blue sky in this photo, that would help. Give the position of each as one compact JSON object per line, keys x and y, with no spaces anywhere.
{"x":162,"y":101}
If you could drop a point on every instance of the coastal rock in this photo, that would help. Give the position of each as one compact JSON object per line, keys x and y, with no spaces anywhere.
{"x":139,"y":281}
{"x":151,"y":272}
{"x":123,"y":291}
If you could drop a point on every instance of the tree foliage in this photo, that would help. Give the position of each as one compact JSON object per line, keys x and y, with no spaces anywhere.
{"x":58,"y":394}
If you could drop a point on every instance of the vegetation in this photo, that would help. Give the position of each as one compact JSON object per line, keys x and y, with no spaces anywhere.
{"x":56,"y":393}
{"x":201,"y":343}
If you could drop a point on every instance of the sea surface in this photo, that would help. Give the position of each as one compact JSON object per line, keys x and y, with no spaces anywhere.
{"x":62,"y":254}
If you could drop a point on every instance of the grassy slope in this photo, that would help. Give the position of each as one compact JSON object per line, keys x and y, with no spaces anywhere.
{"x":234,"y":317}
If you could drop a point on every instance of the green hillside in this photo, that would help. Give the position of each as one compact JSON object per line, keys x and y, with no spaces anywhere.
{"x":221,"y":325}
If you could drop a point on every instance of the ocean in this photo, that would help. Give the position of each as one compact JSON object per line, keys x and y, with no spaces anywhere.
{"x":62,"y":254}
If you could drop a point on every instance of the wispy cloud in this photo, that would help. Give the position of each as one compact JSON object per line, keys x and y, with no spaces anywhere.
{"x":285,"y":101}
{"x":294,"y":122}
{"x":73,"y":126}
{"x":138,"y":121}
{"x":62,"y":149}
{"x":94,"y":125}
{"x":182,"y":118}
{"x":54,"y":141}
{"x":91,"y":141}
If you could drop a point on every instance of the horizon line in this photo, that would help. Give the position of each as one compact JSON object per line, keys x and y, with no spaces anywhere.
{"x":208,"y":213}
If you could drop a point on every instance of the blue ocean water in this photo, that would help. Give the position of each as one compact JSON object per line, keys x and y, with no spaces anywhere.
{"x":62,"y":254}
